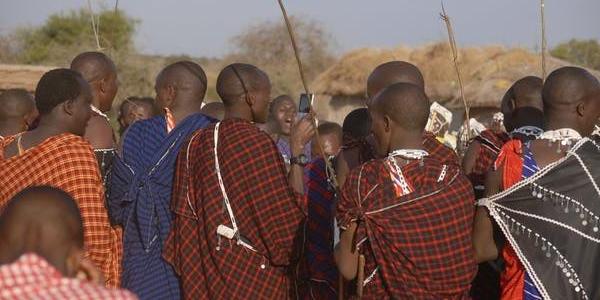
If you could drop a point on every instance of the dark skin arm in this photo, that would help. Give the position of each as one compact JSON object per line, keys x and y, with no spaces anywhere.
{"x":99,"y":133}
{"x":345,"y":259}
{"x":301,"y":134}
{"x":483,"y":230}
{"x":468,"y":163}
{"x":341,"y":168}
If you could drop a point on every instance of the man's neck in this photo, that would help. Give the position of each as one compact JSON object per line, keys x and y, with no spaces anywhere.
{"x":406,"y":144}
{"x":233,"y":113}
{"x":10,"y":128}
{"x":555,"y":124}
{"x":181,"y":114}
{"x":96,"y":103}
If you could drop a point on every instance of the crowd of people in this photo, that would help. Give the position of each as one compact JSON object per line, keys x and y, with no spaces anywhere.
{"x":245,"y":198}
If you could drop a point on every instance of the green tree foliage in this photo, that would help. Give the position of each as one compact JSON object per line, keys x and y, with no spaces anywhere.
{"x":580,"y":52}
{"x":267,"y":45}
{"x":67,"y":33}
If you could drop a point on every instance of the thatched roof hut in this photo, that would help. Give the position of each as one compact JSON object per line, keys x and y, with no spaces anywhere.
{"x":21,"y":76}
{"x":487,"y":73}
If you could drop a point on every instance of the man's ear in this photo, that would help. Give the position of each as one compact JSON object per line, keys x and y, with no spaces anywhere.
{"x":387,"y":123}
{"x":250,"y":98}
{"x":580,"y":109}
{"x":68,"y":107}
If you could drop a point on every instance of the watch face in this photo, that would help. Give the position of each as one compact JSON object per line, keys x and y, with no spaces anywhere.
{"x":302,"y":159}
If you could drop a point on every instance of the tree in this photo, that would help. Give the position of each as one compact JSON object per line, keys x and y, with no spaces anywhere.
{"x":267,"y":45}
{"x":580,"y":52}
{"x":67,"y":33}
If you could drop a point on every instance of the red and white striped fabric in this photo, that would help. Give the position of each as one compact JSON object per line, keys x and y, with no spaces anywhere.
{"x":31,"y":277}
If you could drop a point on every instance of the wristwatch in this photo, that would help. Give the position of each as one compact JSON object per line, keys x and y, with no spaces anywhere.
{"x":300,"y":160}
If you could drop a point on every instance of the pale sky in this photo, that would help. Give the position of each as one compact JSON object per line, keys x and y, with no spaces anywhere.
{"x":205,"y":27}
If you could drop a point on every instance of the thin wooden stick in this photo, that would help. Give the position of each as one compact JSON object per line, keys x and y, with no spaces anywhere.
{"x":360,"y":278}
{"x":294,"y":45}
{"x":544,"y":45}
{"x":94,"y":27}
{"x":328,"y":167}
{"x":452,"y":42}
{"x":116,"y":6}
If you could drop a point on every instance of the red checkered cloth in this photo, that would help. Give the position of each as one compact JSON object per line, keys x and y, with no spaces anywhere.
{"x":268,"y":213}
{"x":31,"y":277}
{"x":416,"y":246}
{"x":491,"y":143}
{"x":68,"y":162}
{"x":439,"y":151}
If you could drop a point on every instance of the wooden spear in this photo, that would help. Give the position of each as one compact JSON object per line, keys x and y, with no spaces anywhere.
{"x":544,"y":45}
{"x":94,"y":26}
{"x":452,"y":42}
{"x":328,"y":167}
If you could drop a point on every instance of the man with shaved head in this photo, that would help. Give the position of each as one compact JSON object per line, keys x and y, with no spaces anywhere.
{"x":142,"y":178}
{"x":41,"y":249}
{"x":483,"y":150}
{"x":101,"y":73}
{"x":54,"y":153}
{"x":236,"y":213}
{"x":571,"y":98}
{"x":409,"y":215}
{"x":17,"y":112}
{"x":403,"y":72}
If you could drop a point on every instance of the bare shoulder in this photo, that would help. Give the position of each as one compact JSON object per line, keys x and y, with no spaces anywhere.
{"x":99,"y":133}
{"x":470,"y":158}
{"x":493,"y":181}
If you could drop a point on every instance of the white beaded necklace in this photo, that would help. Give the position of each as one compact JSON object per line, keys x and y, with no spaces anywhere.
{"x":530,"y":131}
{"x":566,"y":136}
{"x":409,"y":153}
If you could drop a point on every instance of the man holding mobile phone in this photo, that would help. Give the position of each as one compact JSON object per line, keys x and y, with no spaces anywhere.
{"x":283,"y":115}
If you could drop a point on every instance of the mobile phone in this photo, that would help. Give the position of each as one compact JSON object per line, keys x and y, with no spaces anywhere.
{"x":306,"y":101}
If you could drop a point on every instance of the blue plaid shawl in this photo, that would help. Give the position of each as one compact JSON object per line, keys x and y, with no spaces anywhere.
{"x":139,"y":199}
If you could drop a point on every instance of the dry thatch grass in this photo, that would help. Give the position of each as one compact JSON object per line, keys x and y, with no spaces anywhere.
{"x":487,"y":71}
{"x":21,"y":76}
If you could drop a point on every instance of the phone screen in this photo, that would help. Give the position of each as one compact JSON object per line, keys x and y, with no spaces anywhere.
{"x":305,"y":103}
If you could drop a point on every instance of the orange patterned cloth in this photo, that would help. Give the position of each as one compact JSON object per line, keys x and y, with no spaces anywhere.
{"x":67,"y":161}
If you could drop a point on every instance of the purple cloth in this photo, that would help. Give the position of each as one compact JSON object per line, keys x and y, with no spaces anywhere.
{"x":284,"y":148}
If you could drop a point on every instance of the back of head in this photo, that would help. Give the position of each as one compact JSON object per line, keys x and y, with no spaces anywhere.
{"x":188,"y":81}
{"x":15,"y":104}
{"x":330,"y":128}
{"x":43,"y":220}
{"x":93,"y":65}
{"x":572,"y":94}
{"x":405,"y":104}
{"x":238,"y":79}
{"x":567,"y":86}
{"x":393,"y":72}
{"x":57,"y":86}
{"x":357,"y":124}
{"x":525,"y":92}
{"x":101,"y":73}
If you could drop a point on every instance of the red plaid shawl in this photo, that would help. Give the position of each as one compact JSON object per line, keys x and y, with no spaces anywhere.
{"x":67,"y":161}
{"x":267,"y":211}
{"x":438,"y":150}
{"x":491,"y":143}
{"x":421,"y":247}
